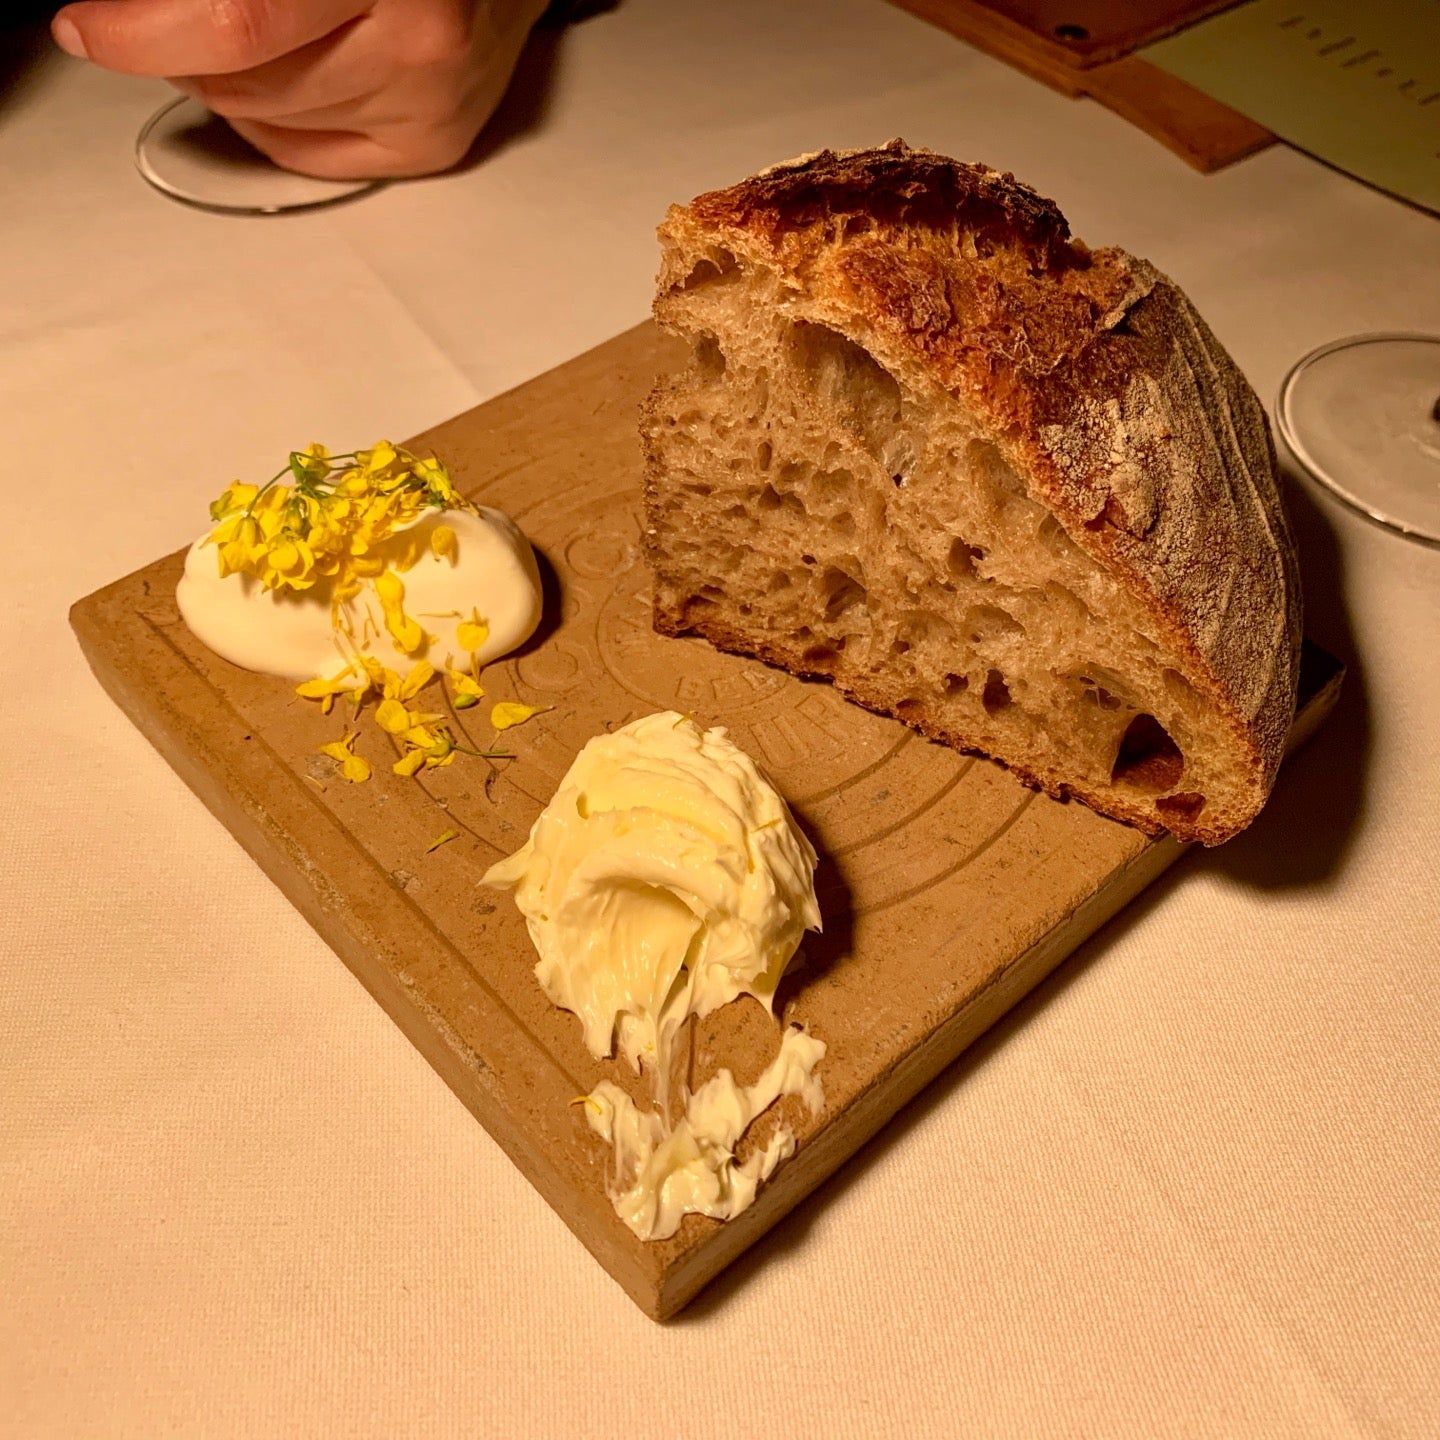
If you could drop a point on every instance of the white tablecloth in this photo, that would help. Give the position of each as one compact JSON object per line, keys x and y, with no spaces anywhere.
{"x":1189,"y":1188}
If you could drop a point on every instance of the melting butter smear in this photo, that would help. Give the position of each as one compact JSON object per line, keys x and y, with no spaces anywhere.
{"x":667,"y":878}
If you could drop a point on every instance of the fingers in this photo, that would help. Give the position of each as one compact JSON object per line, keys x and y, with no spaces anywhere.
{"x":341,"y":89}
{"x":360,"y":78}
{"x":404,"y":150}
{"x":417,"y":114}
{"x":334,"y":71}
{"x":195,"y":37}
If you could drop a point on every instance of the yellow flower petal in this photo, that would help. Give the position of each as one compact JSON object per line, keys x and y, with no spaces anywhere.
{"x":471,"y":634}
{"x":419,"y":677}
{"x":352,"y":767}
{"x":355,"y":769}
{"x":351,"y":524}
{"x":379,"y":676}
{"x":408,"y":764}
{"x":465,"y":690}
{"x":380,"y":458}
{"x":443,"y":544}
{"x":392,"y":717}
{"x":390,"y":589}
{"x":509,"y":713}
{"x":233,"y":497}
{"x":406,"y":632}
{"x":313,"y":461}
{"x":320,"y":687}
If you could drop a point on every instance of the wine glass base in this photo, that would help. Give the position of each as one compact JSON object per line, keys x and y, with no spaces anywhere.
{"x":1362,"y":417}
{"x":192,"y":156}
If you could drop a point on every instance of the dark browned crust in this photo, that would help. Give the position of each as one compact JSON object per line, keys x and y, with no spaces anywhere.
{"x":895,"y":185}
{"x":1031,"y":295}
{"x":1097,"y":379}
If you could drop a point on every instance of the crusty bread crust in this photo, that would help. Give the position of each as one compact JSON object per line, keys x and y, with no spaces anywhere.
{"x":1097,"y":380}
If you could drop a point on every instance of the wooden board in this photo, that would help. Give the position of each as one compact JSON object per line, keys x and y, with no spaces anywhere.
{"x":1088,"y":49}
{"x":1086,"y":32}
{"x":948,"y":888}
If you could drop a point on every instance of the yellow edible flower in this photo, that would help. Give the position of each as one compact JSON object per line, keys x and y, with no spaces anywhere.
{"x":380,"y":676}
{"x":241,"y":546}
{"x":443,"y":543}
{"x":234,"y":497}
{"x":354,"y":768}
{"x":421,"y":674}
{"x":381,"y":457}
{"x":350,"y":520}
{"x":405,"y":632}
{"x":269,"y":507}
{"x":324,"y":516}
{"x":392,"y":717}
{"x":509,"y":713}
{"x":325,"y":691}
{"x":471,"y":634}
{"x":288,"y":563}
{"x":465,"y":690}
{"x":437,"y":480}
{"x":313,"y":462}
{"x":409,"y":763}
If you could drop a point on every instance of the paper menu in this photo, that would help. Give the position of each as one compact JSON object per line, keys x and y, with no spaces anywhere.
{"x":1355,"y":84}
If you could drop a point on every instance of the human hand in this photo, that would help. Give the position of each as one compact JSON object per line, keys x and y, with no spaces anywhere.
{"x":342,"y":89}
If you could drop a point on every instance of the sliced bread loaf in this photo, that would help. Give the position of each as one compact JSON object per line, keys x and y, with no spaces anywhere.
{"x":1007,"y":489}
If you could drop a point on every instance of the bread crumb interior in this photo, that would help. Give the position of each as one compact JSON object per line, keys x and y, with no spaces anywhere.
{"x":816,"y":509}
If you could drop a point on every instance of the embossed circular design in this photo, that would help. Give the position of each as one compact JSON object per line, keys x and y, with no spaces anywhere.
{"x":894,"y":815}
{"x":625,"y":642}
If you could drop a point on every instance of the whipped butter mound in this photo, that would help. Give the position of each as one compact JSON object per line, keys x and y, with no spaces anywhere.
{"x":665,"y":879}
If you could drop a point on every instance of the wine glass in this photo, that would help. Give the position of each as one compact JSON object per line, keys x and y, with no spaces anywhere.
{"x":194,"y":157}
{"x":1361,"y":416}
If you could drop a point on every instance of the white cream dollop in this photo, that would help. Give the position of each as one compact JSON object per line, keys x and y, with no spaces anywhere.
{"x":667,"y":878}
{"x":293,"y":634}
